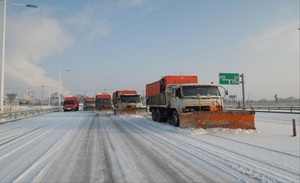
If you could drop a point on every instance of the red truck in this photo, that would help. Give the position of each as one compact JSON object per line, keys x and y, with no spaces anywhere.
{"x":71,"y":104}
{"x":103,"y":101}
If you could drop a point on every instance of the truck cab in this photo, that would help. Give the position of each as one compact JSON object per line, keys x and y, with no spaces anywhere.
{"x":71,"y":104}
{"x":89,"y":103}
{"x":195,"y":97}
{"x":103,"y":101}
{"x":128,"y":101}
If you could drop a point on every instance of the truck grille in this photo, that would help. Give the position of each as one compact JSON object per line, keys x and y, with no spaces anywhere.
{"x":197,"y":108}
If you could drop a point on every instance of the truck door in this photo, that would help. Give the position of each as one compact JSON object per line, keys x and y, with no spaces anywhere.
{"x":176,"y":99}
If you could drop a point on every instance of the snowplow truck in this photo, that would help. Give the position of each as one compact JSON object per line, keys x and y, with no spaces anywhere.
{"x":89,"y":104}
{"x":182,"y":101}
{"x":126,"y":101}
{"x":71,"y":104}
{"x":103,"y":101}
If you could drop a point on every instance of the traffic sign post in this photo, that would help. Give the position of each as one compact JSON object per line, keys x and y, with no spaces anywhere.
{"x":11,"y":97}
{"x":233,"y":79}
{"x":232,"y":96}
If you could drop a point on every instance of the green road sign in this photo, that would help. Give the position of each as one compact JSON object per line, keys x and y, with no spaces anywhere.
{"x":232,"y":96}
{"x":229,"y":78}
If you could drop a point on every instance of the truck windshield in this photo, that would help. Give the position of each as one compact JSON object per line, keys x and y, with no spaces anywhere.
{"x":204,"y":90}
{"x":69,"y":102}
{"x":130,"y":98}
{"x":103,"y":100}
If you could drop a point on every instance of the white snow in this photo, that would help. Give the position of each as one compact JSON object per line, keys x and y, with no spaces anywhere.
{"x":30,"y":147}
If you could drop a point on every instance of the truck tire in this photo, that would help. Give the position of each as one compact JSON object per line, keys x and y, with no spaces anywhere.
{"x":175,"y":118}
{"x":158,"y":116}
{"x":153,"y":115}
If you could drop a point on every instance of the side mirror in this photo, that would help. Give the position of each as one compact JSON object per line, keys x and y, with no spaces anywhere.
{"x":226,"y":92}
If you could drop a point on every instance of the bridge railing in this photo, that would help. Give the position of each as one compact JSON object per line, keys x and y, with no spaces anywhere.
{"x":283,"y":109}
{"x":26,"y":113}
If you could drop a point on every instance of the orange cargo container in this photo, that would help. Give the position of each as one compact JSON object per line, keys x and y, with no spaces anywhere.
{"x":157,"y":87}
{"x":122,"y":92}
{"x":89,"y":99}
{"x":103,"y":96}
{"x":117,"y":93}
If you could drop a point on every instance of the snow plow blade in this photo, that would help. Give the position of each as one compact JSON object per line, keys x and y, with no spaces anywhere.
{"x":130,"y":111}
{"x":105,"y":109}
{"x":218,"y":119}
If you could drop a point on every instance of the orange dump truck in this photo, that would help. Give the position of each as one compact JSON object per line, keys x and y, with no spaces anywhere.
{"x":71,"y":104}
{"x":183,"y":102}
{"x":103,"y":101}
{"x":89,"y":104}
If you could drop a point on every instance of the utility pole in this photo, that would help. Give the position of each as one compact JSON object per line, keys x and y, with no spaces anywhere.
{"x":42,"y":94}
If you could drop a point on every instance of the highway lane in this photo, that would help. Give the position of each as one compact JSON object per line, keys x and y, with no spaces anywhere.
{"x":100,"y":147}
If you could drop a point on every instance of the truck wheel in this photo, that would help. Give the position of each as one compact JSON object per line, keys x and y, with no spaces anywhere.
{"x":175,"y":118}
{"x":158,"y":116}
{"x":153,"y":115}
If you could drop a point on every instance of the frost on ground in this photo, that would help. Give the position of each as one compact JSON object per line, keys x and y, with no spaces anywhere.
{"x":101,"y":147}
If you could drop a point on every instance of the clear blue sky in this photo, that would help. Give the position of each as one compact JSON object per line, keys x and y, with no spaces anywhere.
{"x":126,"y":44}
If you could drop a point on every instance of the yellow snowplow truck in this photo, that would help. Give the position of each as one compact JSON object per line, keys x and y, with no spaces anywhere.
{"x":183,"y":102}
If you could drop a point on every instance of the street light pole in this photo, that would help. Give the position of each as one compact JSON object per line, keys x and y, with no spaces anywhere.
{"x":3,"y":49}
{"x":49,"y":99}
{"x":59,"y":97}
{"x":3,"y":56}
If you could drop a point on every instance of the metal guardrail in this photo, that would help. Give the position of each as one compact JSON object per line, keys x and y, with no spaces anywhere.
{"x":282,"y":109}
{"x":279,"y":109}
{"x":27,"y":113}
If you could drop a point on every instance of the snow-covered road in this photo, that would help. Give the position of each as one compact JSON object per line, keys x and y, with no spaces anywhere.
{"x":100,"y":147}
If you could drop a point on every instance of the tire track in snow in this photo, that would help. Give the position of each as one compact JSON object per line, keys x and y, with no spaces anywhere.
{"x":22,"y":167}
{"x":81,"y":158}
{"x":22,"y":135}
{"x":238,"y":165}
{"x":172,"y":165}
{"x":137,"y":148}
{"x":11,"y":131}
{"x":38,"y":144}
{"x":103,"y":151}
{"x":36,"y":171}
{"x":256,"y":146}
